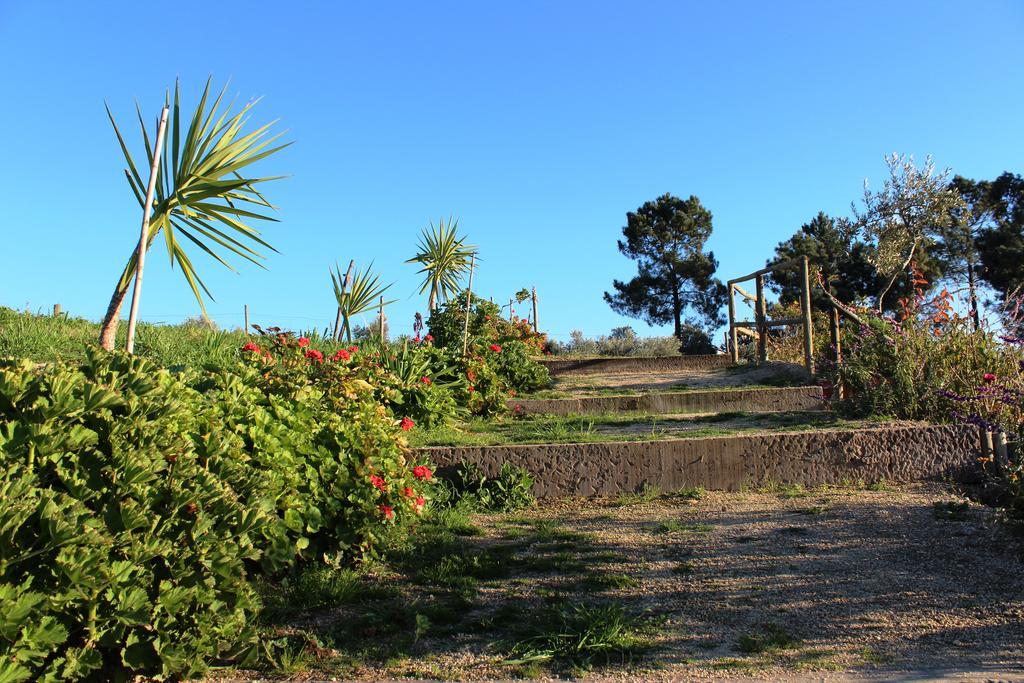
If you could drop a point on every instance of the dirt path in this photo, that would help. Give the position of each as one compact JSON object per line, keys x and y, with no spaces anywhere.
{"x":859,"y":581}
{"x":838,"y":584}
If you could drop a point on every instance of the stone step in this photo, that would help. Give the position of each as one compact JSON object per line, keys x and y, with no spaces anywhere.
{"x":761,"y":400}
{"x":811,"y":458}
{"x":610,"y":366}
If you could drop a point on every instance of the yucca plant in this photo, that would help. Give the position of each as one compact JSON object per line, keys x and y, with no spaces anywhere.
{"x":445,"y":259}
{"x":362,"y":294}
{"x":201,"y":195}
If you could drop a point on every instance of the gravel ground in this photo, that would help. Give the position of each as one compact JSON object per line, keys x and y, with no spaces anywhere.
{"x":859,"y":585}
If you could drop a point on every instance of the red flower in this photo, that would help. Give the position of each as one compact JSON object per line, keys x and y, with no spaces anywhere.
{"x":341,"y":354}
{"x":422,"y":472}
{"x":408,"y":492}
{"x":470,"y":389}
{"x":425,"y":380}
{"x":418,"y":505}
{"x":251,"y":346}
{"x":416,"y":339}
{"x":315,"y":356}
{"x":303,"y":342}
{"x":989,"y":378}
{"x":430,"y":338}
{"x":387,"y":511}
{"x":353,"y":349}
{"x":495,"y":348}
{"x":407,"y":424}
{"x":379,"y":482}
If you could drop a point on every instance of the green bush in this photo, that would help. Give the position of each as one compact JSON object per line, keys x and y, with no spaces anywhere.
{"x":138,"y":503}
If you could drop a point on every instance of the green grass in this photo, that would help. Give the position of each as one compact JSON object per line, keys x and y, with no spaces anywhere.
{"x":645,"y":494}
{"x":579,"y":637}
{"x":950,"y":510}
{"x":608,"y":581}
{"x":673,"y":526}
{"x":611,"y":427}
{"x":767,"y":639}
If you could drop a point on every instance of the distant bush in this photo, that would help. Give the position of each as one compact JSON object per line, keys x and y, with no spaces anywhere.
{"x":622,"y":341}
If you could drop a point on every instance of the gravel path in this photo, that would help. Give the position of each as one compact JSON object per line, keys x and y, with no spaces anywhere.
{"x":866,"y":581}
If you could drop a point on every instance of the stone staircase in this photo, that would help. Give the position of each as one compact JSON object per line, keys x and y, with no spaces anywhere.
{"x":691,"y":394}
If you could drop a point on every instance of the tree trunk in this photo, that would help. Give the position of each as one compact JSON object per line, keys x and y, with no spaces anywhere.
{"x":677,"y":311}
{"x":432,"y":303}
{"x":108,"y":331}
{"x":972,"y":288}
{"x":892,"y":280}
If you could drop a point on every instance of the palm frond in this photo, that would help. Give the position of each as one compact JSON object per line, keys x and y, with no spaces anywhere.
{"x":444,"y":257}
{"x":200,"y":194}
{"x":362,"y":294}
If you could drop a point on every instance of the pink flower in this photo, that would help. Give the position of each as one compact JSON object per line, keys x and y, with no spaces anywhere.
{"x":341,"y":354}
{"x":407,"y":424}
{"x":379,"y":482}
{"x":303,"y":342}
{"x":315,"y":356}
{"x":251,"y":346}
{"x":495,"y":348}
{"x":989,"y":377}
{"x":387,"y":511}
{"x":425,"y":380}
{"x":422,"y":472}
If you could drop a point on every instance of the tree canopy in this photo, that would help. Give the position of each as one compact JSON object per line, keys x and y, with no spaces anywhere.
{"x":675,"y":277}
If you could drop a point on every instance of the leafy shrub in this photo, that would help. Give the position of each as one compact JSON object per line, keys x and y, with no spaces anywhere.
{"x":139,"y":502}
{"x":447,"y":325}
{"x":511,"y":490}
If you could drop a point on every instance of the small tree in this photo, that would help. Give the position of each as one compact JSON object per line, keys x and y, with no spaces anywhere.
{"x":905,"y":217}
{"x":675,"y":280}
{"x":445,"y":259}
{"x":201,"y":197}
{"x":363,"y":294}
{"x":1000,"y":240}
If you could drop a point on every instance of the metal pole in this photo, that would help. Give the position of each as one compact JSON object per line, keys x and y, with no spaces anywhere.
{"x":469,"y":305}
{"x":140,"y":258}
{"x":246,"y":306}
{"x":380,"y":316}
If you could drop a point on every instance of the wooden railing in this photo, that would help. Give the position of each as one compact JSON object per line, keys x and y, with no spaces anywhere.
{"x":758,"y":327}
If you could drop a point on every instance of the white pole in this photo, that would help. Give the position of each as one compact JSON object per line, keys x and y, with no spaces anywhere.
{"x":140,"y":259}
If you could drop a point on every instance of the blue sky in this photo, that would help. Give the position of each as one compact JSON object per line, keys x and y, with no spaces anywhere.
{"x":539,"y":124}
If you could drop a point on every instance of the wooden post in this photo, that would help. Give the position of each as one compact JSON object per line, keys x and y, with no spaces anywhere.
{"x":760,"y":315}
{"x":140,"y":258}
{"x":836,"y":334}
{"x":733,"y":337}
{"x":246,"y":307}
{"x":535,"y":327}
{"x":56,"y":310}
{"x":1001,"y":457}
{"x":986,"y":442}
{"x":805,"y":300}
{"x":469,"y":305}
{"x":344,"y":288}
{"x":380,"y":316}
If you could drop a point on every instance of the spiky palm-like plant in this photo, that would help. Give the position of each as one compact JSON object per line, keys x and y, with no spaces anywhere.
{"x":201,"y":196}
{"x":362,"y":294}
{"x":445,"y":259}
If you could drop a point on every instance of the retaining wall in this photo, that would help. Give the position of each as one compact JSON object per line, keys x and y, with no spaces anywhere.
{"x":767,"y":400}
{"x":610,"y":366}
{"x":896,"y":454}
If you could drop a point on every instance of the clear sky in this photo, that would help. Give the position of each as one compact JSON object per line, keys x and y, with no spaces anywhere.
{"x":539,"y":124}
